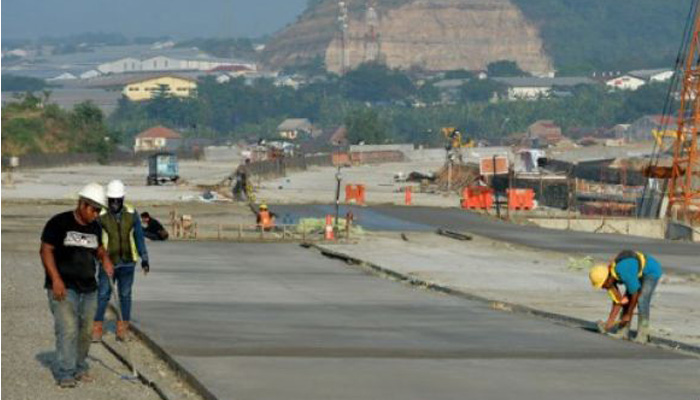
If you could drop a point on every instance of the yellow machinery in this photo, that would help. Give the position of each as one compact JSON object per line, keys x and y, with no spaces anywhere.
{"x":454,"y":138}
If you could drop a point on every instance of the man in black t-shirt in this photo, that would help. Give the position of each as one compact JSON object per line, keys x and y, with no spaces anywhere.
{"x":71,"y":245}
{"x":152,"y":228}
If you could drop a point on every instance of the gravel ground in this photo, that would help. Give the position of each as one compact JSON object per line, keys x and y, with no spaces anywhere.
{"x":27,"y":327}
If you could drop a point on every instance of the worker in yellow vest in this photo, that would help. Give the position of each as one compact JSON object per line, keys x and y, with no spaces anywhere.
{"x":640,"y":273}
{"x":122,"y":236}
{"x":265,"y":219}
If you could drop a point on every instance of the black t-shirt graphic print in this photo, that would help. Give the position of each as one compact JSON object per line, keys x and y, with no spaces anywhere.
{"x":75,"y":251}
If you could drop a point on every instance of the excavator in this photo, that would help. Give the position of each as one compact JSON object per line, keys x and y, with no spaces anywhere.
{"x":454,"y":139}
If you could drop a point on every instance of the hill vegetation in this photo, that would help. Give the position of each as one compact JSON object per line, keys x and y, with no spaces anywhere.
{"x":608,"y":35}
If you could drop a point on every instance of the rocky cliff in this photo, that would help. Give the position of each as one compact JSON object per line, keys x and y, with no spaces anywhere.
{"x":431,"y":34}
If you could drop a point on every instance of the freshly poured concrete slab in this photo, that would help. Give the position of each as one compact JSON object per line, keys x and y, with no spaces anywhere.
{"x":275,"y":321}
{"x":677,"y":256}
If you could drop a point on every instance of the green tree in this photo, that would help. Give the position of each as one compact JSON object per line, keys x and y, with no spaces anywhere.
{"x":365,"y":125}
{"x":504,"y":68}
{"x":375,"y":82}
{"x":482,"y":90}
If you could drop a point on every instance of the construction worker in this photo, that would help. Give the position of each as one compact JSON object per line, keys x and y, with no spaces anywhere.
{"x":152,"y":228}
{"x":640,"y":273}
{"x":240,"y":188}
{"x":71,"y":245}
{"x":265,"y":219}
{"x":122,"y":235}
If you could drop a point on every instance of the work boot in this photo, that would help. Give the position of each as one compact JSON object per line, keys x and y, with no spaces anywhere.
{"x":622,"y":333}
{"x":642,"y":331}
{"x":122,"y":329}
{"x":96,"y":331}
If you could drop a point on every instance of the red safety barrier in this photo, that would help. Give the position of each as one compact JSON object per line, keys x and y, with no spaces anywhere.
{"x":355,"y":193}
{"x":408,"y":196}
{"x":477,"y":198}
{"x":521,"y":199}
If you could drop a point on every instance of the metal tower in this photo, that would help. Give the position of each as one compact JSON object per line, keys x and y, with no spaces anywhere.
{"x":684,"y":185}
{"x":372,"y":38}
{"x":343,"y":29}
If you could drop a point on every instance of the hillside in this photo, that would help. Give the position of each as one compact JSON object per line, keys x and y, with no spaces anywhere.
{"x":571,"y":36}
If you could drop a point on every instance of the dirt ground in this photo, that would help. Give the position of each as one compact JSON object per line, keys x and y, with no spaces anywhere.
{"x":27,"y":325}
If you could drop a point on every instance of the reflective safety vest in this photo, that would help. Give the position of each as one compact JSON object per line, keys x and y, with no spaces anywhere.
{"x":265,"y":219}
{"x":641,"y":259}
{"x":118,"y":236}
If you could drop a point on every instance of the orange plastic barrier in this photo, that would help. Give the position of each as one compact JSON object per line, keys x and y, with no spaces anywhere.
{"x":355,"y":193}
{"x":329,"y":235}
{"x":477,"y":198}
{"x":521,"y":199}
{"x":409,"y":195}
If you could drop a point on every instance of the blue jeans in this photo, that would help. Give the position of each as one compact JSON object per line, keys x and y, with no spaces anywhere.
{"x":73,"y":327}
{"x":644,"y":305}
{"x":124,"y":279}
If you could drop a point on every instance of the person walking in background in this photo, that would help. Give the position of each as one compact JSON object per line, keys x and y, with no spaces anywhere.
{"x":640,"y":273}
{"x":71,"y":245}
{"x":152,"y":228}
{"x":122,"y":235}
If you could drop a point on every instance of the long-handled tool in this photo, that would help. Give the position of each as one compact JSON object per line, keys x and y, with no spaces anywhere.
{"x":130,"y":359}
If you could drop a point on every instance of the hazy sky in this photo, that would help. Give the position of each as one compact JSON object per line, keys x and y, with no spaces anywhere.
{"x":177,"y":18}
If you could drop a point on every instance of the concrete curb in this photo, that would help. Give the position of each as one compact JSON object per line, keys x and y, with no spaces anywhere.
{"x":181,"y":371}
{"x":561,"y":319}
{"x":141,"y":377}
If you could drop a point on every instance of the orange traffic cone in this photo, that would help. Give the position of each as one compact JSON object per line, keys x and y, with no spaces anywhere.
{"x":329,"y":235}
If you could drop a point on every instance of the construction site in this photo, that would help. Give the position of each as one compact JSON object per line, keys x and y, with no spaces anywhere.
{"x":384,"y":274}
{"x":371,"y":271}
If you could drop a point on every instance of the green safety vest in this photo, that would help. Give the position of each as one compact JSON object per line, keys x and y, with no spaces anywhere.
{"x":122,"y":246}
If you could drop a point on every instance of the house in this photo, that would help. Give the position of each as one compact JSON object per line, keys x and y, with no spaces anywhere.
{"x":157,"y":138}
{"x":625,"y":82}
{"x":532,"y":88}
{"x":161,"y":63}
{"x":123,"y":65}
{"x":644,"y":128}
{"x":544,"y":133}
{"x":288,"y":81}
{"x":146,"y":89}
{"x":653,"y":75}
{"x":293,"y":128}
{"x":90,"y":74}
{"x":65,"y":76}
{"x":450,"y":89}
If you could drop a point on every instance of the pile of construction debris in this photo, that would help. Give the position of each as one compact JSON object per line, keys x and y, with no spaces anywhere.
{"x":460,"y":177}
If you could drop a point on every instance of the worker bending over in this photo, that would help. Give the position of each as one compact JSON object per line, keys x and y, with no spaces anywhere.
{"x":265,"y":219}
{"x":640,"y":273}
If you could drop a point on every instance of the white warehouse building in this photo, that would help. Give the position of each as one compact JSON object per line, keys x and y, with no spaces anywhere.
{"x":162,"y":63}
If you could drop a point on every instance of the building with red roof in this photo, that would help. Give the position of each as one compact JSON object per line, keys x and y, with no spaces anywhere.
{"x":157,"y":138}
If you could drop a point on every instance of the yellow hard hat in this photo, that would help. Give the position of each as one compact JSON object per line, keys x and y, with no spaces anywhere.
{"x":598,"y":275}
{"x":263,"y":206}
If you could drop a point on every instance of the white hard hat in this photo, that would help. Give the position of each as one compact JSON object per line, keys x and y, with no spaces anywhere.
{"x":115,"y":189}
{"x":95,"y":193}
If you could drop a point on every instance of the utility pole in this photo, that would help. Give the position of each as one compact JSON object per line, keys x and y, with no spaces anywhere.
{"x":338,"y":178}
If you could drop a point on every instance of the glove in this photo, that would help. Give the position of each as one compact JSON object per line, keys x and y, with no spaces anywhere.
{"x":146,"y":267}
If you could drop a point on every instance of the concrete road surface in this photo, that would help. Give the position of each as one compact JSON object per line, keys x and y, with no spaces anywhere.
{"x":276,"y":321}
{"x":675,"y":256}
